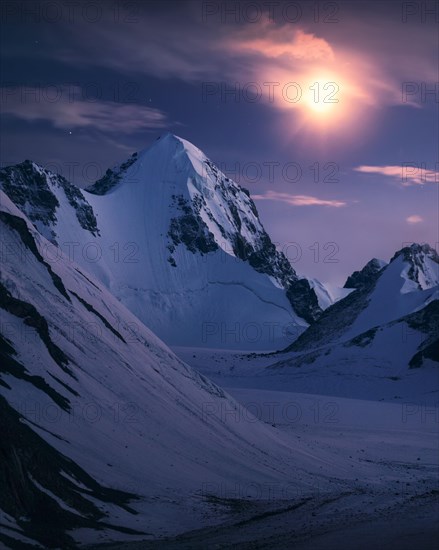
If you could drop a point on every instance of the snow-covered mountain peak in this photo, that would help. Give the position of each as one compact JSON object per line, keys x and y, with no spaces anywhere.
{"x":175,"y":150}
{"x":383,"y":294}
{"x":180,"y":244}
{"x":42,"y":195}
{"x":414,"y":267}
{"x":168,"y":150}
{"x":203,"y":211}
{"x":170,"y":141}
{"x":419,"y":267}
{"x":417,"y":251}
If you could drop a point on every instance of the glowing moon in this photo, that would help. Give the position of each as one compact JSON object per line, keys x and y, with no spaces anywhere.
{"x":330,"y":104}
{"x":321,"y":96}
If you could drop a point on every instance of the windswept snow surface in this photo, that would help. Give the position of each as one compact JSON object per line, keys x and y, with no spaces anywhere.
{"x":384,"y":446}
{"x":98,"y":387}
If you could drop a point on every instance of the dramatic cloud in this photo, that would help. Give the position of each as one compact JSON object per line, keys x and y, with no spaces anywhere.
{"x":265,"y":50}
{"x":406,"y":174}
{"x":67,"y":108}
{"x":298,"y":200}
{"x":351,"y":80}
{"x":153,"y":60}
{"x":414,"y":219}
{"x":295,"y":44}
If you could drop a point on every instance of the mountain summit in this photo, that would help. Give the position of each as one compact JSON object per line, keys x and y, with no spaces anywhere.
{"x":383,"y":294}
{"x":179,"y":243}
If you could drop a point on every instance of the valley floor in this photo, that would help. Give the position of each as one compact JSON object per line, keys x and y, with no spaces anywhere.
{"x":316,"y":525}
{"x":384,"y":452}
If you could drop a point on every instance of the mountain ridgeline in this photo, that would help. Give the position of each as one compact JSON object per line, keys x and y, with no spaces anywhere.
{"x":191,"y":236}
{"x":107,"y":435}
{"x":389,"y":321}
{"x":99,"y":418}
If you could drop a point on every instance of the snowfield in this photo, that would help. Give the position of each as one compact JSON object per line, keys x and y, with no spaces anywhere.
{"x":385,"y":451}
{"x":143,"y":438}
{"x":280,"y":413}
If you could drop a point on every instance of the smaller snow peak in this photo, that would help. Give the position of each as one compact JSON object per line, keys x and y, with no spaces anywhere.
{"x":421,"y":269}
{"x":416,"y":250}
{"x":26,"y":167}
{"x":39,"y":193}
{"x":366,"y":276}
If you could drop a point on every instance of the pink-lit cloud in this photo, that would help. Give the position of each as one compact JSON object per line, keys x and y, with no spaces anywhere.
{"x":367,"y":60}
{"x":414,"y":218}
{"x":283,"y":42}
{"x":266,"y":50}
{"x":406,"y":174}
{"x":298,"y":200}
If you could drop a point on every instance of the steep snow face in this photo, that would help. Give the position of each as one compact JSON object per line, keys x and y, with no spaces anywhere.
{"x":105,"y":427}
{"x":182,"y":268}
{"x":200,"y":207}
{"x":384,"y":295}
{"x":381,"y":360}
{"x":56,"y":207}
{"x":328,"y":294}
{"x":182,"y":246}
{"x":421,"y":269}
{"x":405,"y":285}
{"x":208,"y":212}
{"x":381,"y":331}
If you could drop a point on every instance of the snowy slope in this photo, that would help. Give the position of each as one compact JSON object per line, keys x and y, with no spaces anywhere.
{"x":182,"y":246}
{"x":407,"y":284}
{"x":397,"y":292}
{"x":103,"y":427}
{"x":383,"y":328}
{"x":396,"y":360}
{"x":328,"y":294}
{"x":57,"y":208}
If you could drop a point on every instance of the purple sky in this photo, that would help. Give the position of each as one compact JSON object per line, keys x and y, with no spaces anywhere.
{"x":332,"y":124}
